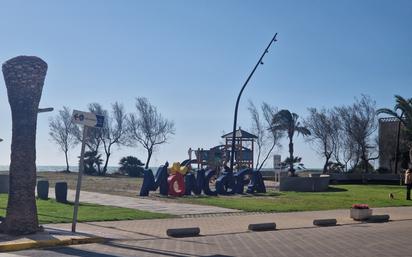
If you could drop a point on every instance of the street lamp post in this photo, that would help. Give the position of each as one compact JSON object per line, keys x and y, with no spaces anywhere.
{"x":398,"y":133}
{"x":232,"y":153}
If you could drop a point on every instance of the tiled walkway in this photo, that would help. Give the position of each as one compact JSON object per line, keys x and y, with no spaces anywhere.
{"x":144,"y":204}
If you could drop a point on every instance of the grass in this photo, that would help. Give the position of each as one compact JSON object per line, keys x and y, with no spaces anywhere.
{"x":338,"y":197}
{"x":50,"y":211}
{"x":110,"y":184}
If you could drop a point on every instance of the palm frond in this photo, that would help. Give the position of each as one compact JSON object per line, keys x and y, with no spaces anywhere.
{"x":388,"y":112}
{"x":303,"y":131}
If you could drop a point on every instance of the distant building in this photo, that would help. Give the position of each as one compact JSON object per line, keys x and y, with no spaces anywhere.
{"x":388,"y":128}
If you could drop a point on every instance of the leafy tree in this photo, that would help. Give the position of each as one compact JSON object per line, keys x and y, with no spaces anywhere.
{"x":132,"y":166}
{"x":404,"y":106}
{"x":61,"y":132}
{"x":286,"y":121}
{"x":267,"y":139}
{"x":324,"y":126}
{"x":148,"y":128}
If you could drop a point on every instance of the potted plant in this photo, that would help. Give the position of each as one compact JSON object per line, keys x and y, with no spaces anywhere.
{"x":360,"y":212}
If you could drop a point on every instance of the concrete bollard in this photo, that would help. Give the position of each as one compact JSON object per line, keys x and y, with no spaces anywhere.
{"x":325,"y":222}
{"x":183,"y":232}
{"x":262,"y":226}
{"x":378,"y":218}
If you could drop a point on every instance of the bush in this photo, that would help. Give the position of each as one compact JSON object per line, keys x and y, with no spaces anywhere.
{"x":360,"y":167}
{"x":131,"y":166}
{"x":92,"y":162}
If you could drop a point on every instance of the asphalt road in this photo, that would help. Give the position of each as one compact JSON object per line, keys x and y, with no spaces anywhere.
{"x":384,"y":239}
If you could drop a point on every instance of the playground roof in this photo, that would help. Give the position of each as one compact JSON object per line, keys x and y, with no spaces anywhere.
{"x":240,"y":133}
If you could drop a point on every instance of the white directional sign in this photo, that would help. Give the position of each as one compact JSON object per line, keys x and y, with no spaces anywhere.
{"x":88,"y":119}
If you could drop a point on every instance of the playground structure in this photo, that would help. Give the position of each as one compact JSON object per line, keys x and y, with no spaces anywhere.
{"x":218,"y":156}
{"x":212,"y":176}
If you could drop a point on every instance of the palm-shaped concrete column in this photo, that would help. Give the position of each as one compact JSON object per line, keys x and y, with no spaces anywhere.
{"x":24,"y":77}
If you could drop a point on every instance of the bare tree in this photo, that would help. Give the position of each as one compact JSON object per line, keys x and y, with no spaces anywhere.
{"x":113,"y":131}
{"x":267,"y":139}
{"x":360,"y":123}
{"x":346,"y":151}
{"x":324,"y":127}
{"x":61,"y":132}
{"x":148,"y":128}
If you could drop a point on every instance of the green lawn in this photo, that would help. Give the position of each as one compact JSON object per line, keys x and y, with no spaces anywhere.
{"x":51,"y":211}
{"x":338,"y":197}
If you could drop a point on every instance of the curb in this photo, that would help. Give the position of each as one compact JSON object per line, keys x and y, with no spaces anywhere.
{"x":16,"y":246}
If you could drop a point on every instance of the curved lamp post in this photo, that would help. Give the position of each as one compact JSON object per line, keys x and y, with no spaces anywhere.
{"x":398,"y":134}
{"x":232,"y":153}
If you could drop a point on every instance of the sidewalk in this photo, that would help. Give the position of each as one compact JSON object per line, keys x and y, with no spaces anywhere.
{"x":212,"y":225}
{"x":223,"y":224}
{"x":50,"y":237}
{"x":143,"y":204}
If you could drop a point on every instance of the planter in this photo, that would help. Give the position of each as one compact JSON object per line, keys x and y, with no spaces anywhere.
{"x":304,"y":184}
{"x":360,"y":214}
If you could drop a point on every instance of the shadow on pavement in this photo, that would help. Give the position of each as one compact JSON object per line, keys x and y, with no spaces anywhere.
{"x":149,"y":250}
{"x":69,"y":251}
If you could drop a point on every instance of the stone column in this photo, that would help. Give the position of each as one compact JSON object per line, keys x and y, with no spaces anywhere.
{"x":24,"y":77}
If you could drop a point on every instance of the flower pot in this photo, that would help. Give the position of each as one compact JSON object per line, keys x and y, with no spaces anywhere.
{"x":360,"y":214}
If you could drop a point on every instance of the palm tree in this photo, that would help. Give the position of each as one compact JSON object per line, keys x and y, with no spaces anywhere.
{"x":24,"y":77}
{"x":405,"y":118}
{"x":284,"y":120}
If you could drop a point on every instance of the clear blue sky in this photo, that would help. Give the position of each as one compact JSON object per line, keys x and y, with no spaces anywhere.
{"x":190,"y":59}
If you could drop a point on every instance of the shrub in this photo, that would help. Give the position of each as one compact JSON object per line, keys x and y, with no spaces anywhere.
{"x":360,"y":167}
{"x":131,"y":166}
{"x":92,"y":162}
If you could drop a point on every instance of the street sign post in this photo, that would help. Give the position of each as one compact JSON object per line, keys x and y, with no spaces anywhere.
{"x":87,"y":119}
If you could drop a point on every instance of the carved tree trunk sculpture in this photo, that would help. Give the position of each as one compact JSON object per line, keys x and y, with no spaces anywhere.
{"x":24,"y":77}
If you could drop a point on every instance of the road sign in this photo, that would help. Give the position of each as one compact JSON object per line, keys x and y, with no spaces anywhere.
{"x":88,"y":119}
